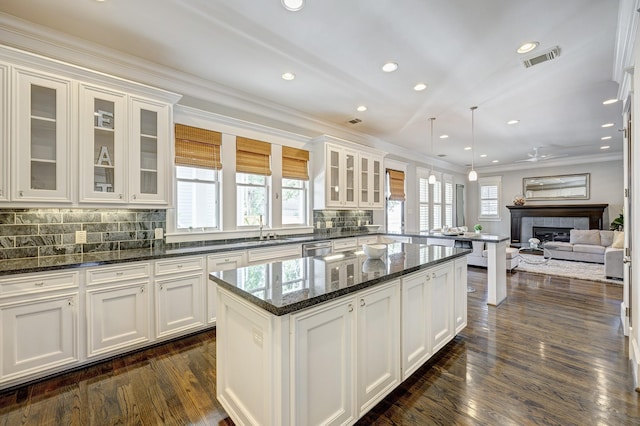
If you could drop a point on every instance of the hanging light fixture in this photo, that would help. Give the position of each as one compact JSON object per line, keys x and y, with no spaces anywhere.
{"x":432,"y":176}
{"x":473,"y":175}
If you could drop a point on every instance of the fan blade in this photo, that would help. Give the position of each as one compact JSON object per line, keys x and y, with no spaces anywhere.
{"x":528,"y":160}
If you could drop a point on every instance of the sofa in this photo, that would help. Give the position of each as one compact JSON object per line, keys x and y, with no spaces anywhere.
{"x":478,"y":257}
{"x":592,"y":245}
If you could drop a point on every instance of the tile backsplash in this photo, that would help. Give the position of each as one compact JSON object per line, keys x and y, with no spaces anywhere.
{"x":26,"y":233}
{"x":336,"y":221}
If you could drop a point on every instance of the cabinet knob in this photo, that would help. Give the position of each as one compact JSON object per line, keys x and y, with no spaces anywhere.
{"x":161,"y":287}
{"x":70,"y":302}
{"x":134,"y":196}
{"x":20,"y":193}
{"x":362,"y":302}
{"x":350,"y":307}
{"x":120,"y":196}
{"x":433,"y":275}
{"x":141,"y":289}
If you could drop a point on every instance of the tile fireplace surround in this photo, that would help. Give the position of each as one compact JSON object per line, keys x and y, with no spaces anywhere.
{"x":578,"y":216}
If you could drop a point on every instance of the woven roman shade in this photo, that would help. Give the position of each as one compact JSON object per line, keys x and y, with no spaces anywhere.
{"x":253,"y":156}
{"x":198,"y":147}
{"x":396,"y":185}
{"x":294,"y":163}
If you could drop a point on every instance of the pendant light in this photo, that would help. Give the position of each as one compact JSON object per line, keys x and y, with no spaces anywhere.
{"x":432,"y":176}
{"x":473,"y":175}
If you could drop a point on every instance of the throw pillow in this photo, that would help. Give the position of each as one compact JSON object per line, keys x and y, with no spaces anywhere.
{"x":618,"y":239}
{"x":584,"y":236}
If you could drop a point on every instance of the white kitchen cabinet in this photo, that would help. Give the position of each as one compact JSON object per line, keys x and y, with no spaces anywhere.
{"x":274,"y":253}
{"x":117,"y":308}
{"x":335,"y":274}
{"x":344,"y":244}
{"x":179,"y":295}
{"x":416,"y":325}
{"x":149,"y":152}
{"x":220,"y":262}
{"x":372,"y":239}
{"x":460,"y":305}
{"x":442,"y":305}
{"x":371,"y":181}
{"x":41,"y":137}
{"x":4,"y":132}
{"x":39,"y":334}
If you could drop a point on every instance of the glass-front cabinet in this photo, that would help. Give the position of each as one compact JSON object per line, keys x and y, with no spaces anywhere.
{"x":147,"y":151}
{"x":371,"y":181}
{"x":4,"y":133}
{"x":41,"y":137}
{"x":102,"y":137}
{"x":341,"y":177}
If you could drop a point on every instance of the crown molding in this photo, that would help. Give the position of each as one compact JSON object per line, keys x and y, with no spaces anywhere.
{"x":627,"y":29}
{"x":551,"y":163}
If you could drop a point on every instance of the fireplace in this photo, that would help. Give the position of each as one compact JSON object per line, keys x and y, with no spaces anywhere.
{"x":591,"y":214}
{"x":548,"y":233}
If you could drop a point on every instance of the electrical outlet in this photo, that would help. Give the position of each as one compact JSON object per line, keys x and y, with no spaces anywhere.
{"x":159,"y":233}
{"x":329,"y":224}
{"x":81,"y":237}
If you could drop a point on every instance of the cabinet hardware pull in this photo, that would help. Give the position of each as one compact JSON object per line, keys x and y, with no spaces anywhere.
{"x":362,"y":302}
{"x":39,"y":284}
{"x":134,"y":196}
{"x":434,"y":275}
{"x":428,"y":278}
{"x":161,"y":287}
{"x":350,"y":307}
{"x":141,"y":289}
{"x":70,"y":302}
{"x":120,"y":196}
{"x":226,"y":260}
{"x":179,"y":266}
{"x":20,"y":193}
{"x":119,"y":273}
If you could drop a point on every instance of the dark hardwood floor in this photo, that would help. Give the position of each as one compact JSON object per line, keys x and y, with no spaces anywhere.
{"x":552,"y":354}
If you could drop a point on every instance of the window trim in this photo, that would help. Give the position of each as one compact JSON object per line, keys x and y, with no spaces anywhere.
{"x":490,"y":181}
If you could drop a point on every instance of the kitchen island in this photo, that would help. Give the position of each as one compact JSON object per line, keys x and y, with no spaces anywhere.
{"x":321,"y":340}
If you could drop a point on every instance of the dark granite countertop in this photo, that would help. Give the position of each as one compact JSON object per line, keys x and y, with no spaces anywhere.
{"x":79,"y":260}
{"x":466,"y":236}
{"x":292,"y":285}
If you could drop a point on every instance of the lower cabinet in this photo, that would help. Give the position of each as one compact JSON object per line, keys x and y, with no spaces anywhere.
{"x":442,"y":306}
{"x":460,"y":304}
{"x":220,"y":263}
{"x":345,"y":353}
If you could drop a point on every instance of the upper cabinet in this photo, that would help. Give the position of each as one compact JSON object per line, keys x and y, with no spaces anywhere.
{"x":347,"y":176}
{"x":81,"y":137}
{"x":41,"y":137}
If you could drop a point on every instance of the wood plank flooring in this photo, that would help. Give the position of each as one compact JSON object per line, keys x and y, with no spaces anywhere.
{"x":552,"y":354}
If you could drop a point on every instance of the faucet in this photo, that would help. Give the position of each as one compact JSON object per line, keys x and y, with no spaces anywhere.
{"x":260,"y":227}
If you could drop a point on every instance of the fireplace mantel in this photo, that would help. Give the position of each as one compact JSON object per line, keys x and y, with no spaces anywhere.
{"x":592,"y":211}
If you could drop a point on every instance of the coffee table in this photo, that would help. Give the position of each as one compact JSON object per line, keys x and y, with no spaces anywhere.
{"x":544,"y":254}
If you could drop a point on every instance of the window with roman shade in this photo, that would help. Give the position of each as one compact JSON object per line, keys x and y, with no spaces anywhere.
{"x":197,"y":147}
{"x":253,"y":156}
{"x":396,"y":185}
{"x":294,"y":163}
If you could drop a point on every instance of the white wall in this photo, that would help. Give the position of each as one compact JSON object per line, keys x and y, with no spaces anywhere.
{"x":606,"y":188}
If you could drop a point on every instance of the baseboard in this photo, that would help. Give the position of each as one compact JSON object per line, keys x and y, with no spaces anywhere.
{"x":634,"y":355}
{"x":624,"y":319}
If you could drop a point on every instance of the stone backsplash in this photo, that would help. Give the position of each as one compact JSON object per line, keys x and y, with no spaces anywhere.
{"x":26,"y":233}
{"x":336,"y":221}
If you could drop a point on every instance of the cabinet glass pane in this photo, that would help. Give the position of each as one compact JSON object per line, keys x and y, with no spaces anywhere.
{"x":43,"y":138}
{"x":376,"y":182}
{"x":364,"y":179}
{"x":104,"y":155}
{"x":334,"y":176}
{"x":350,"y":184}
{"x":334,"y":278}
{"x":351,"y":273}
{"x":148,"y":152}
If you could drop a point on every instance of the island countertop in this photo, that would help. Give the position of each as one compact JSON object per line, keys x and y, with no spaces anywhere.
{"x":288,"y":286}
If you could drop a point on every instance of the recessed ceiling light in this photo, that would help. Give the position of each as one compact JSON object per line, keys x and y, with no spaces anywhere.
{"x":288,"y":76}
{"x":293,"y":5}
{"x":390,"y":67}
{"x":610,"y":101}
{"x":527,"y":47}
{"x":605,"y":138}
{"x":419,"y":87}
{"x":362,"y":108}
{"x":467,"y":148}
{"x":495,"y":161}
{"x":483,"y":155}
{"x":513,"y":121}
{"x":444,"y":136}
{"x":607,"y":125}
{"x":605,"y":147}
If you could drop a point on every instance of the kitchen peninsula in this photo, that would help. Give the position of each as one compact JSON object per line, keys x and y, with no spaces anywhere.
{"x":321,"y":340}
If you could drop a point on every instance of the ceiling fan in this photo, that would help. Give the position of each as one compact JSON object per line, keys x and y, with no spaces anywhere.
{"x":536,"y":156}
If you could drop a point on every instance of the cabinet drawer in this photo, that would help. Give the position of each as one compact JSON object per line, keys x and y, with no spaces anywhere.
{"x":273,"y":254}
{"x":345,"y":244}
{"x":226,"y":261}
{"x":181,"y":264}
{"x":367,"y":240}
{"x":107,"y":274}
{"x":45,"y":282}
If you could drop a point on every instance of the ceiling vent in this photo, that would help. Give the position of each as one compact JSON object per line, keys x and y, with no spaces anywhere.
{"x":355,"y":121}
{"x":543,"y":57}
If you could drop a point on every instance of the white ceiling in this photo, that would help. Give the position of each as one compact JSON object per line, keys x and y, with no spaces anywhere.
{"x":465,"y":51}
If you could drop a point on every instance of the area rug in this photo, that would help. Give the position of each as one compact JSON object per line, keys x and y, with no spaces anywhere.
{"x":564,"y":268}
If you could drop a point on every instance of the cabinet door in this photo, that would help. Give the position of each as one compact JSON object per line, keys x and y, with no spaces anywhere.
{"x":38,"y":335}
{"x":334,"y":171}
{"x":416,"y":324}
{"x":118,"y":317}
{"x":220,"y":263}
{"x":148,"y":152}
{"x":365,"y":180}
{"x":378,"y":349}
{"x":4,"y":133}
{"x":41,"y":137}
{"x":377,"y":183}
{"x":323,"y":368}
{"x":179,"y":304}
{"x":103,"y":128}
{"x":350,"y":179}
{"x":442,"y":291}
{"x":460,"y":294}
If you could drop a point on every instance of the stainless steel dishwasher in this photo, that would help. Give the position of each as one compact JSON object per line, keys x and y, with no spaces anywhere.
{"x":318,"y":248}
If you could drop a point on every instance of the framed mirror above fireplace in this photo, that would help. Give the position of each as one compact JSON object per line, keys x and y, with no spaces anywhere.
{"x":559,"y":187}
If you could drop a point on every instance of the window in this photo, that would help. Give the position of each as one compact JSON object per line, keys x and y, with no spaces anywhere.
{"x":293,"y":275}
{"x":198,"y":162}
{"x":253,"y":202}
{"x":489,"y":190}
{"x":395,"y":201}
{"x":436,"y":205}
{"x":424,"y":204}
{"x":435,"y":201}
{"x":295,"y":174}
{"x":448,"y":201}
